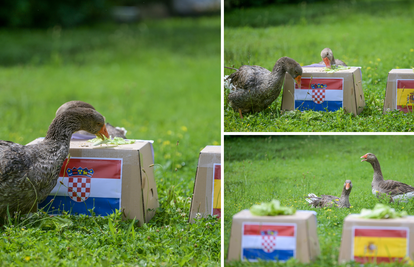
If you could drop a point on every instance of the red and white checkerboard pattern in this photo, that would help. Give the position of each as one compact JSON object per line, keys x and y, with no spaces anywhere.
{"x":268,"y":243}
{"x":318,"y":95}
{"x":79,"y":188}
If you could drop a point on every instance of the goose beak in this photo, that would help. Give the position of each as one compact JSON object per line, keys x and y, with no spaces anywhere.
{"x":327,"y":62}
{"x":347,"y":186}
{"x":298,"y":80}
{"x":103,"y":132}
{"x":364,"y":157}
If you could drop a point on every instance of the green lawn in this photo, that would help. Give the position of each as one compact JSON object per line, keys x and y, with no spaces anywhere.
{"x":159,"y":80}
{"x":261,"y":168}
{"x":373,"y":35}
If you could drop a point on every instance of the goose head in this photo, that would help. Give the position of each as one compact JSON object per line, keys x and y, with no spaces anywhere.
{"x":93,"y":122}
{"x":75,"y":119}
{"x":83,"y":105}
{"x":73,"y":104}
{"x":294,"y":69}
{"x":369,"y":157}
{"x":347,"y":187}
{"x":327,"y":57}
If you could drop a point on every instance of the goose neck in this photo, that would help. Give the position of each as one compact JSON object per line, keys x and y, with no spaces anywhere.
{"x":62,"y":128}
{"x":279,"y":68}
{"x":377,"y":170}
{"x":344,"y":200}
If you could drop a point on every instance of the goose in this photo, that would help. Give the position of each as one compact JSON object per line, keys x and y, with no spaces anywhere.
{"x":394,"y":189}
{"x":329,"y":201}
{"x":254,"y":88}
{"x":112,"y":131}
{"x":29,"y":173}
{"x":328,"y":58}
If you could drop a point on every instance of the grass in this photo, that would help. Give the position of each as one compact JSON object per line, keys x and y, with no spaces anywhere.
{"x":287,"y":168}
{"x":148,"y":77}
{"x":373,"y":35}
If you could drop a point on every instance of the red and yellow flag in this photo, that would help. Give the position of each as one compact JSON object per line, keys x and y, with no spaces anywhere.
{"x":405,"y":95}
{"x":217,"y":190}
{"x":380,"y":244}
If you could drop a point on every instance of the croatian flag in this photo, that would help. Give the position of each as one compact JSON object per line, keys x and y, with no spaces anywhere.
{"x":379,"y":244}
{"x":268,"y":241}
{"x":87,"y":183}
{"x":405,"y":95}
{"x":320,"y":94}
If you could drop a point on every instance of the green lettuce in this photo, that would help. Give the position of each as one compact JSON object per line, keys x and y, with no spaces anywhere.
{"x":271,"y":208}
{"x":335,"y":68}
{"x":381,"y":211}
{"x":116,"y":141}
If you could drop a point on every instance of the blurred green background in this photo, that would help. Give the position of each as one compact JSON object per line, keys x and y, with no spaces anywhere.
{"x":69,"y":13}
{"x":155,"y":78}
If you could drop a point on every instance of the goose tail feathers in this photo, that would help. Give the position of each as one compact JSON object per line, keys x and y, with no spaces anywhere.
{"x":231,"y":68}
{"x":311,"y":198}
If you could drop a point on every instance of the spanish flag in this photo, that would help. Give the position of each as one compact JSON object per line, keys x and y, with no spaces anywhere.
{"x":405,"y":95}
{"x":217,"y":190}
{"x":380,"y":244}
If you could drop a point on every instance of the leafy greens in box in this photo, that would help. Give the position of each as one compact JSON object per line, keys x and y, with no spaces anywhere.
{"x":381,"y":211}
{"x":271,"y":208}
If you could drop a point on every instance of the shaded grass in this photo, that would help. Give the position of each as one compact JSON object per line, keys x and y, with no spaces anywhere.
{"x":149,"y":78}
{"x":108,"y":42}
{"x":316,"y":13}
{"x":287,"y":168}
{"x":377,"y":41}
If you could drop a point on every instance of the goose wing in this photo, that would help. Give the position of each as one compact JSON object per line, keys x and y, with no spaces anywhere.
{"x":116,"y":131}
{"x":328,"y":200}
{"x":313,"y":200}
{"x":395,"y":188}
{"x":340,"y":62}
{"x":248,"y":77}
{"x":13,"y":162}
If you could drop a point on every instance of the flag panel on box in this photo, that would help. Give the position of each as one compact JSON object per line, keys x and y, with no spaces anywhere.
{"x":217,"y":190}
{"x":405,"y":95}
{"x":380,"y":244}
{"x":319,"y":94}
{"x":87,"y":183}
{"x":268,"y":241}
